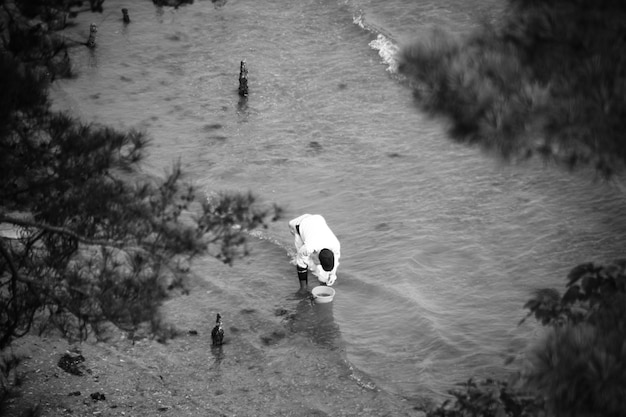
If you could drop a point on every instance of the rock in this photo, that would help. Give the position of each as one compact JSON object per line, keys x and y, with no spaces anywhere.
{"x":280,"y":312}
{"x":70,"y":363}
{"x":97,"y":396}
{"x":171,"y":3}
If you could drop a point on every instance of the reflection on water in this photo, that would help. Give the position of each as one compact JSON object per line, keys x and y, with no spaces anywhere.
{"x":317,"y":322}
{"x":242,"y":109}
{"x":159,"y":13}
{"x":92,"y":61}
{"x":218,"y":356}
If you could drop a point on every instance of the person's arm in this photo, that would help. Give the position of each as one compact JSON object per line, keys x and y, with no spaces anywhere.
{"x":332,"y":275}
{"x":292,"y":226}
{"x":304,"y":256}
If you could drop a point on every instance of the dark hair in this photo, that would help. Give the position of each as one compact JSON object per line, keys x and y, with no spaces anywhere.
{"x":327,"y":259}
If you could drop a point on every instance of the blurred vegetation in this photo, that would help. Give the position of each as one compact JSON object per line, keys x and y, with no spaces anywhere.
{"x":489,"y":398}
{"x":89,"y":242}
{"x":548,"y":79}
{"x":577,"y":368}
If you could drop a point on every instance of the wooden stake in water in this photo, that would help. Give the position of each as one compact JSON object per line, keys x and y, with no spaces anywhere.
{"x":243,"y":79}
{"x":125,"y":16}
{"x":91,"y":42}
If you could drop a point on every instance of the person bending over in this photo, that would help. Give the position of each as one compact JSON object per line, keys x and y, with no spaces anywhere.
{"x":318,"y":249}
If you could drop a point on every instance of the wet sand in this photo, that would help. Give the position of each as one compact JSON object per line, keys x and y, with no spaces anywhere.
{"x":276,"y":360}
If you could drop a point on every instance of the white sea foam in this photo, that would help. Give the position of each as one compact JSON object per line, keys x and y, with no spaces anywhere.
{"x":388,"y":51}
{"x":385,"y":45}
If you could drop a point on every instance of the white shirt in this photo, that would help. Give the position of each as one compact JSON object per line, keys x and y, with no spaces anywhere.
{"x":315,"y":235}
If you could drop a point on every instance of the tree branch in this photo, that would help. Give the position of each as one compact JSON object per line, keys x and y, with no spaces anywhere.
{"x":14,"y":270}
{"x":60,"y":230}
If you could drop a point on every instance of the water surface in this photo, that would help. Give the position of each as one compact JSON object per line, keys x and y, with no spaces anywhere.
{"x":441,"y":244}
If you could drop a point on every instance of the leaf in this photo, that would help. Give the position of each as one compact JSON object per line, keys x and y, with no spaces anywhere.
{"x":578,"y":272}
{"x":571,"y":295}
{"x":531,"y":304}
{"x":589,"y":284}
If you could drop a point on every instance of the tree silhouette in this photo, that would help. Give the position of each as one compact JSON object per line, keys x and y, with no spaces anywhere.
{"x":549,"y":79}
{"x":88,"y":239}
{"x":579,"y":366}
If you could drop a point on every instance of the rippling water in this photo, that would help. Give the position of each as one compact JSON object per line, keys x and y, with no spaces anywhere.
{"x":440,"y":243}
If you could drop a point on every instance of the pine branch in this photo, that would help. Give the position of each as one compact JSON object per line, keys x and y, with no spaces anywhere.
{"x":12,"y":267}
{"x":61,"y":230}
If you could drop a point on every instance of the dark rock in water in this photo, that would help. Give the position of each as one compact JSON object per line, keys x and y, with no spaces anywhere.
{"x":315,"y":146}
{"x":380,"y":227}
{"x":218,"y":138}
{"x":273,"y":338}
{"x":74,"y":394}
{"x":280,"y":311}
{"x":97,"y":396}
{"x":394,"y":155}
{"x":70,"y":363}
{"x":213,"y":126}
{"x":193,"y":332}
{"x":171,"y":3}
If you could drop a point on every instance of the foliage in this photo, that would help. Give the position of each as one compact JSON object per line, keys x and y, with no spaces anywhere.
{"x":578,"y":368}
{"x":580,"y":365}
{"x":96,"y":242}
{"x":548,"y":80}
{"x":9,"y":362}
{"x":591,"y":290}
{"x":32,"y":42}
{"x":488,"y":398}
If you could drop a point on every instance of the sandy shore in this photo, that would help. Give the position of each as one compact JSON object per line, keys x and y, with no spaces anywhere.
{"x":269,"y":365}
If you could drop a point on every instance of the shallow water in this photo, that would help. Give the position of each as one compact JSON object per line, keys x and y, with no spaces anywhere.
{"x":441,"y":244}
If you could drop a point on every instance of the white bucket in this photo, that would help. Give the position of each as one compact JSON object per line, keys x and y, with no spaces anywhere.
{"x":323,"y":294}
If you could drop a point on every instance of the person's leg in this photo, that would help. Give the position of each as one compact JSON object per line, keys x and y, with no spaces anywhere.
{"x":303,"y":277}
{"x":301,"y":265}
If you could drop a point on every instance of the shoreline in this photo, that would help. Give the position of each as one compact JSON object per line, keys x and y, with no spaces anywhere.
{"x":269,"y":365}
{"x":266,"y":367}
